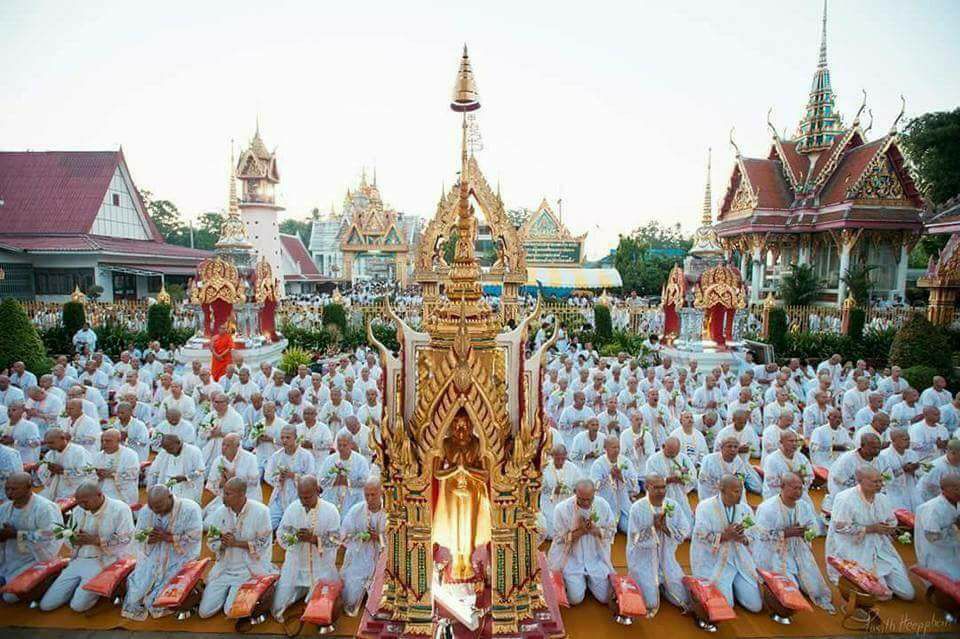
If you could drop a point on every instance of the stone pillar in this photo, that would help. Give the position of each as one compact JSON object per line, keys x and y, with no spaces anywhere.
{"x":844,"y":265}
{"x":803,"y":252}
{"x":744,"y":261}
{"x":400,"y":262}
{"x":348,"y":267}
{"x":900,"y":288}
{"x":756,"y":276}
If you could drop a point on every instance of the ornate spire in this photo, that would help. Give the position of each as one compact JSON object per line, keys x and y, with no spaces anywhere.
{"x":233,"y":204}
{"x":707,"y":219}
{"x":233,"y":233}
{"x":821,"y":122}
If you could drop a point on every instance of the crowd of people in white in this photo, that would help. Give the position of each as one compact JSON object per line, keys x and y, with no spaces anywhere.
{"x":632,"y":441}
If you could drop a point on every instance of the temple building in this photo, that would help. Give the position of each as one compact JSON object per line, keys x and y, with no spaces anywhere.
{"x":257,"y":170}
{"x":367,"y":240}
{"x":75,"y":219}
{"x":830,"y":197}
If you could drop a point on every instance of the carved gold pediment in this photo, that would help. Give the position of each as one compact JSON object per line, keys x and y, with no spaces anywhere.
{"x":720,"y":285}
{"x":218,"y":280}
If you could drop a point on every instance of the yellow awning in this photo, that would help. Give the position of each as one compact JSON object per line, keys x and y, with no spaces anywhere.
{"x":596,"y":278}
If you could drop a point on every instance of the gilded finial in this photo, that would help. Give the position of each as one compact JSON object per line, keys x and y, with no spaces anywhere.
{"x":849,"y":302}
{"x":773,"y":129}
{"x":233,"y":203}
{"x":736,"y":149}
{"x":770,"y":301}
{"x":163,"y":297}
{"x":863,"y":105}
{"x":822,"y":62}
{"x":903,"y":109}
{"x":77,"y":295}
{"x":465,"y":96}
{"x":870,"y":125}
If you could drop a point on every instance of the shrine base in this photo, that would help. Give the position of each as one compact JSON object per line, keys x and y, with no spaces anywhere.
{"x":198,"y":349}
{"x":546,"y":623}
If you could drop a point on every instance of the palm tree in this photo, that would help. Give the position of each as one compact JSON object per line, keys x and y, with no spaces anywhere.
{"x":859,"y":283}
{"x":800,"y":286}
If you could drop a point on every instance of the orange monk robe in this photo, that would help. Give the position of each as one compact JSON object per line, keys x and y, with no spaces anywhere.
{"x":222,"y":347}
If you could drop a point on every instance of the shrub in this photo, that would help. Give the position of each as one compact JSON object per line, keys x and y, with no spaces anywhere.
{"x":73,"y":317}
{"x":56,"y":340}
{"x":779,"y":329}
{"x":859,"y":282}
{"x":920,"y":376}
{"x":858,"y":317}
{"x":335,"y":314}
{"x":94,"y":292}
{"x":800,"y":286}
{"x":602,"y":324}
{"x":159,"y":322}
{"x":292,"y":358}
{"x":920,"y":343}
{"x":176,"y":292}
{"x":112,"y":338}
{"x":19,"y":340}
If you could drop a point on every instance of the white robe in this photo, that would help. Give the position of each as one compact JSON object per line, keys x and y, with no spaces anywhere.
{"x":929,"y":484}
{"x":10,"y":463}
{"x":652,"y":554}
{"x":556,"y":486}
{"x":637,"y":447}
{"x":746,"y":437}
{"x":229,"y":422}
{"x":33,"y":542}
{"x":26,"y":439}
{"x":264,"y":450}
{"x":589,"y":555}
{"x":843,"y":475}
{"x":334,"y":416}
{"x":936,"y":536}
{"x":714,"y":468}
{"x":923,"y":439}
{"x":234,"y":566}
{"x":721,"y":561}
{"x":188,"y":463}
{"x":285,"y":491}
{"x":158,"y":563}
{"x":792,"y":556}
{"x":659,"y":464}
{"x":899,"y":486}
{"x":113,"y":524}
{"x":777,"y":464}
{"x":694,"y":445}
{"x":822,"y":441}
{"x":320,"y":438}
{"x":584,"y":452}
{"x":76,"y":463}
{"x":184,"y":430}
{"x":362,"y":554}
{"x":186,"y":406}
{"x":243,"y":465}
{"x":572,"y":422}
{"x":357,"y":472}
{"x":848,"y":540}
{"x":305,"y":564}
{"x":616,"y":493}
{"x":124,"y":481}
{"x":137,"y":437}
{"x":85,"y":432}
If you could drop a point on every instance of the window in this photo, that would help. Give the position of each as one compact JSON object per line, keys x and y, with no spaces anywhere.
{"x":116,"y":199}
{"x":62,"y":281}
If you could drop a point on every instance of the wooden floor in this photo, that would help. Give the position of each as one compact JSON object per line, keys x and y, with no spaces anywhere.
{"x":586,"y":620}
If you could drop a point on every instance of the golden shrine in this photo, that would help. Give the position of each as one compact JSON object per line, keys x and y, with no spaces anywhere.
{"x":509,"y":269}
{"x":460,"y":449}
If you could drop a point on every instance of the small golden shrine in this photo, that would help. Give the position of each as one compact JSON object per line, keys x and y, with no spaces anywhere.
{"x":942,"y":277}
{"x":460,"y":451}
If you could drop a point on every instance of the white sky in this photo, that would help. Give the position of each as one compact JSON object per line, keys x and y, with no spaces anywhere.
{"x":610,"y":104}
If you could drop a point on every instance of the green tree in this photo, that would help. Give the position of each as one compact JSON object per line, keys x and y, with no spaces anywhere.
{"x":932,"y":141}
{"x":859,"y":283}
{"x":301,"y":228}
{"x":19,"y":340}
{"x":207,"y":231}
{"x":166,"y":217}
{"x":800,"y":286}
{"x":640,"y":269}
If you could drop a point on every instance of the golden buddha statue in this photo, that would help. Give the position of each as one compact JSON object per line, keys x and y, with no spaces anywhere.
{"x":461,"y":518}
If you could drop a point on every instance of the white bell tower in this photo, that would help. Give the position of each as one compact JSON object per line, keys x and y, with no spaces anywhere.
{"x":257,"y":171}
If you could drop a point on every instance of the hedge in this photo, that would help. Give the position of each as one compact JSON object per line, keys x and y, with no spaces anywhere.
{"x":73,"y":317}
{"x":920,"y":343}
{"x":920,"y":376}
{"x":858,"y":318}
{"x":873,"y":346}
{"x":19,"y":340}
{"x":159,"y":322}
{"x":335,"y":314}
{"x":779,"y":329}
{"x":602,"y":323}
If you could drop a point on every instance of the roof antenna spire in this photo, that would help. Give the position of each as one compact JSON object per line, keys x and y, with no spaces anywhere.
{"x":863,"y":104}
{"x":707,"y":197}
{"x":773,"y":129}
{"x":823,"y":38}
{"x":736,"y":148}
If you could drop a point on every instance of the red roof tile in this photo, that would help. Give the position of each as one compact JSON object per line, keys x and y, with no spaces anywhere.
{"x":298,"y":253}
{"x":83,"y":243}
{"x":767,"y":177}
{"x":58,"y":190}
{"x":798,"y":163}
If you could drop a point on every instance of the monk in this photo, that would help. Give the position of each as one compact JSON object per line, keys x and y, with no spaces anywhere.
{"x":221,"y":349}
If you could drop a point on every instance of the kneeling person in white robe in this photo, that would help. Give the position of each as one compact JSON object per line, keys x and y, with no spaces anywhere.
{"x":657,"y":526}
{"x":616,"y":480}
{"x":104,"y":532}
{"x":677,"y":470}
{"x":178,"y":466}
{"x":862,"y":529}
{"x":786,"y":525}
{"x":117,"y":468}
{"x":25,"y":524}
{"x":242,"y":542}
{"x":167,"y":536}
{"x":559,"y":477}
{"x":362,"y":532}
{"x":309,"y":533}
{"x":343,"y":474}
{"x":719,"y":547}
{"x":726,"y":461}
{"x":584,"y":528}
{"x":232,"y":462}
{"x":936,"y":539}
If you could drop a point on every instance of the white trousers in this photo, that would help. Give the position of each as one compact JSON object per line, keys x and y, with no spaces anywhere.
{"x":284,"y":596}
{"x":577,"y":585}
{"x":219,"y":595}
{"x":67,"y":587}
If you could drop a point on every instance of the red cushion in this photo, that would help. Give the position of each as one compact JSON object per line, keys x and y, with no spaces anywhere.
{"x":710,"y":597}
{"x":175,"y":593}
{"x":67,"y":504}
{"x":319,"y":609}
{"x":939,"y":581}
{"x":862,"y":578}
{"x":33,"y":576}
{"x":905,"y":518}
{"x":251,"y":591}
{"x":629,"y":598}
{"x":785,"y":591}
{"x":105,"y":583}
{"x":759,"y":470}
{"x":821,"y":474}
{"x":559,"y":588}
